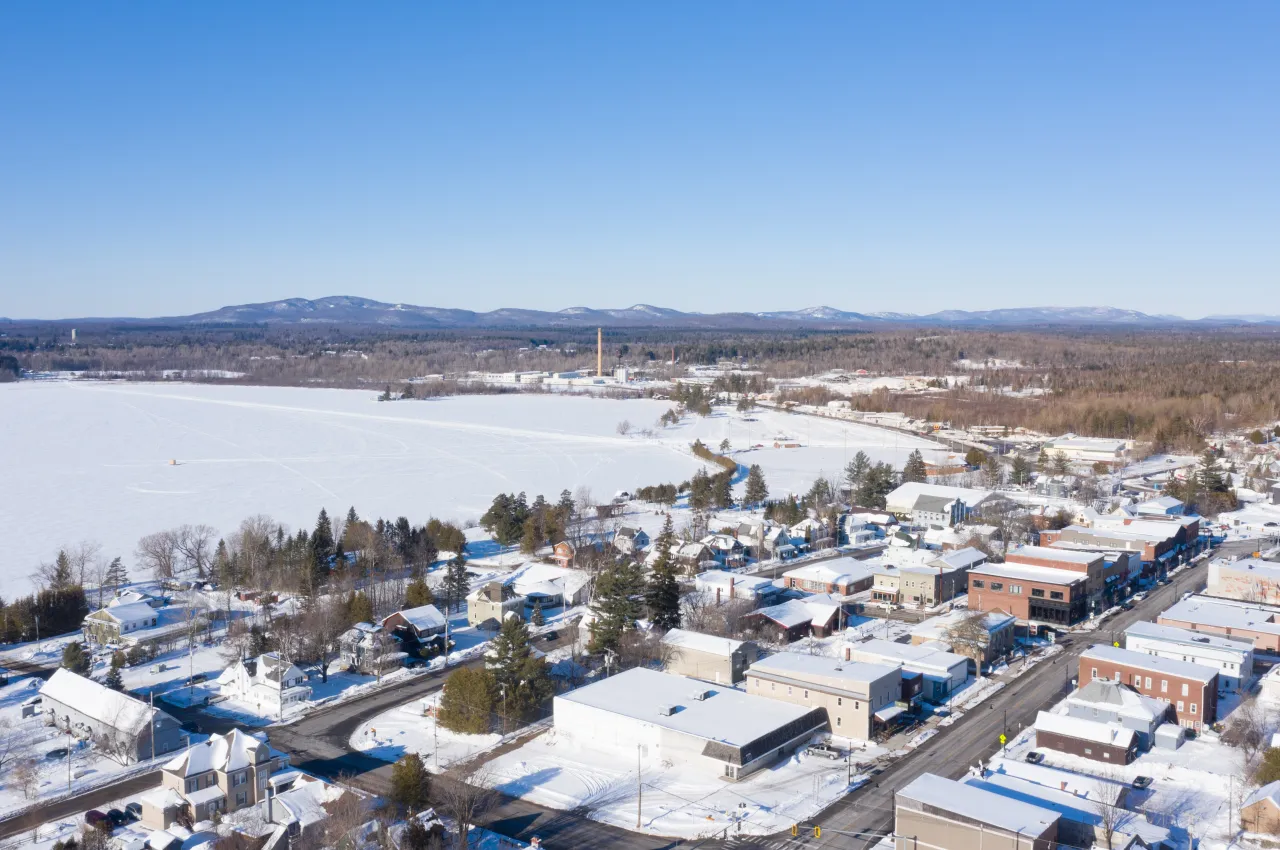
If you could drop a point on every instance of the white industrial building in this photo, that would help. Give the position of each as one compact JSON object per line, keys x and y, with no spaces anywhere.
{"x":1088,"y":449}
{"x":943,"y":671}
{"x":1233,"y":659}
{"x":664,"y":717}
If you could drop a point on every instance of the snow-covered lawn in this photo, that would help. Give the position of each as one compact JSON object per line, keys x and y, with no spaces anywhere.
{"x":677,"y":801}
{"x":48,"y":748}
{"x":100,"y":452}
{"x":412,"y":728}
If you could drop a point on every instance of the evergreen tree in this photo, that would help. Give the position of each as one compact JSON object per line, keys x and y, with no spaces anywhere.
{"x":259,"y":642}
{"x":1042,"y":462}
{"x":117,"y":576}
{"x":619,"y":593}
{"x":466,"y":706}
{"x":410,"y":782}
{"x":359,"y":608}
{"x":1061,"y":464}
{"x":974,"y":457}
{"x":663,"y":592}
{"x":417,"y":594}
{"x":321,"y":543}
{"x":456,"y":583}
{"x":915,"y":470}
{"x":530,"y":539}
{"x":352,"y":516}
{"x":523,"y":680}
{"x":757,"y":491}
{"x":62,"y":577}
{"x":1209,"y":476}
{"x":993,"y":471}
{"x":1021,"y":470}
{"x":876,"y":484}
{"x":856,"y":470}
{"x":722,"y":490}
{"x":700,"y":491}
{"x":119,"y":659}
{"x":75,"y":659}
{"x":536,"y":617}
{"x":114,"y":680}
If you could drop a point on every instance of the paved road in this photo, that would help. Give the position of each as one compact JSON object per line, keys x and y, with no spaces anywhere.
{"x":101,"y":798}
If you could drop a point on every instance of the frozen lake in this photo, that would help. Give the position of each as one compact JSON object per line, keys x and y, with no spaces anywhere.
{"x":91,"y":461}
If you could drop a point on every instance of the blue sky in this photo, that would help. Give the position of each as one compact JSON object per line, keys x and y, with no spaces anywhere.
{"x":158,"y":159}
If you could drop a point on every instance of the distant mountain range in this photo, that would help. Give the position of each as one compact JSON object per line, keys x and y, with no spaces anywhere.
{"x":350,"y":310}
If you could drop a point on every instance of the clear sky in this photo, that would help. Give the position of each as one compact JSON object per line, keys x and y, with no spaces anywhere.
{"x":166,"y":158}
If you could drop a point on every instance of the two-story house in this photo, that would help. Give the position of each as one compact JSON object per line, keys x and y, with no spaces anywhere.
{"x":268,"y":682}
{"x":223,"y":774}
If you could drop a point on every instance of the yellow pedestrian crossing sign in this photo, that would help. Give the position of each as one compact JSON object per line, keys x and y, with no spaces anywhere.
{"x":1003,"y":739}
{"x":1116,"y":644}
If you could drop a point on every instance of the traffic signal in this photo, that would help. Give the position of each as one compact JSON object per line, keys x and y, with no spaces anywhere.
{"x":795,"y":830}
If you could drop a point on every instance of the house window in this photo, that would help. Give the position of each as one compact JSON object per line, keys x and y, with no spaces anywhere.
{"x":1015,"y":588}
{"x":1185,"y":690}
{"x":838,"y":719}
{"x":1148,"y":682}
{"x":788,"y":690}
{"x":1164,"y":686}
{"x":1055,"y":594}
{"x":977,"y":582}
{"x":1088,"y":751}
{"x":1037,"y":592}
{"x":1137,"y":680}
{"x":997,"y":585}
{"x":241,"y":798}
{"x":839,"y":700}
{"x":1179,"y":706}
{"x":806,"y":694}
{"x":1094,"y":674}
{"x":1193,"y":708}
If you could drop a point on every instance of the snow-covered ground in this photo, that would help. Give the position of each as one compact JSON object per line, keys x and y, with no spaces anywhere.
{"x":98,"y":453}
{"x":677,"y":800}
{"x":412,"y":728}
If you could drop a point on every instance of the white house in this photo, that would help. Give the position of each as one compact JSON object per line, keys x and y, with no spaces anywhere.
{"x":1233,"y":659}
{"x":630,"y":540}
{"x":267,"y":682}
{"x":113,"y":623}
{"x":721,"y":586}
{"x":125,"y":727}
{"x":902,"y":501}
{"x":661,"y":717}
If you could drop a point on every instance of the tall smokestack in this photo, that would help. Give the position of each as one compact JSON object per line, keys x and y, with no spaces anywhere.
{"x":599,"y":352}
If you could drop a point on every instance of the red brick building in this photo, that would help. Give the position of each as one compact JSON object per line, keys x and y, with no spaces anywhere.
{"x":1032,"y":594}
{"x":1192,"y":689}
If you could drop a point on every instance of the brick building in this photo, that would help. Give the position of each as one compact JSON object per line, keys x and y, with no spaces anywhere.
{"x":1034,"y":595}
{"x":1192,"y":689}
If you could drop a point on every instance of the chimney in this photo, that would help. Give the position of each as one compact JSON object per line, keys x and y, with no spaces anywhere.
{"x":599,"y":352}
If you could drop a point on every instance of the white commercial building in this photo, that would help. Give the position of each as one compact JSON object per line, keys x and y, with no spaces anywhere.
{"x":943,"y":671}
{"x":1088,"y":449}
{"x":1233,"y":659}
{"x":668,"y":718}
{"x":902,"y":501}
{"x":1246,"y":579}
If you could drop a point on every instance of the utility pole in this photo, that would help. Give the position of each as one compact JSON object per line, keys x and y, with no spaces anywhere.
{"x":68,"y":758}
{"x":639,"y":787}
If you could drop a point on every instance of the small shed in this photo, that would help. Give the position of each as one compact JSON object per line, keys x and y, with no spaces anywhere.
{"x":1169,"y":736}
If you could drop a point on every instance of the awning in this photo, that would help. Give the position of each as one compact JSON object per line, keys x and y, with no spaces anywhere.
{"x":1167,"y":556}
{"x":889,"y":712}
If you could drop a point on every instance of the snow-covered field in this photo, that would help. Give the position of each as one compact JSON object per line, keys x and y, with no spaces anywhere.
{"x":409,"y":729}
{"x":92,"y":459}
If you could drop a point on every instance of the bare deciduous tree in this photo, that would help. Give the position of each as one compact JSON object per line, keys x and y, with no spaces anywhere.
{"x":464,"y":794}
{"x":158,"y":553}
{"x":14,"y":745}
{"x":1108,"y":793}
{"x":195,"y":546}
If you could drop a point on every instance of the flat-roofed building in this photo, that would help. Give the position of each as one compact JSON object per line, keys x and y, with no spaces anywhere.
{"x":1231,"y":657}
{"x":1192,"y":689}
{"x":937,"y":813}
{"x":1092,"y":739}
{"x":842,"y":576}
{"x":714,"y":729}
{"x":855,"y":697}
{"x":943,"y":671}
{"x":1246,"y":580}
{"x":1035,"y":595}
{"x":1108,"y":701}
{"x":1228,"y":618}
{"x":984,"y":648}
{"x":1089,"y":450}
{"x":701,"y":656}
{"x":1089,"y":564}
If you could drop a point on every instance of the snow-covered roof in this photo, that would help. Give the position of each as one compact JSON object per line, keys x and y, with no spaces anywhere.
{"x":233,"y":751}
{"x":1029,"y":572}
{"x":979,"y":804}
{"x":1094,"y":444}
{"x":1187,"y":637}
{"x":839,"y":571}
{"x":306,"y":800}
{"x":722,"y":578}
{"x":726,"y":715}
{"x":130,"y":612}
{"x":1081,"y":785}
{"x":1222,"y":614}
{"x":915,"y":658}
{"x":1044,"y":553}
{"x":1268,"y":570}
{"x":424,"y":618}
{"x":164,"y":798}
{"x":821,"y":669}
{"x":1078,"y":806}
{"x":1142,"y":661}
{"x":960,"y":559}
{"x":1119,"y":698}
{"x":1107,"y":734}
{"x":1269,"y":792}
{"x":699,"y":642}
{"x":205,"y":795}
{"x":936,"y":628}
{"x":797,"y":612}
{"x":98,"y":702}
{"x":903,"y":499}
{"x":569,"y":581}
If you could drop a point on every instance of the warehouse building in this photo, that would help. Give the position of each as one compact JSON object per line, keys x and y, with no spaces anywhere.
{"x":718,"y":730}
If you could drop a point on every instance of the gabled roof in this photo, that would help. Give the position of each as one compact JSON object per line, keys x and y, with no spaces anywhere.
{"x":1106,"y":734}
{"x":424,"y":618}
{"x":1120,"y":698}
{"x":129,"y":612}
{"x":699,"y":642}
{"x":98,"y":702}
{"x":233,"y":751}
{"x":797,"y":612}
{"x":979,"y":804}
{"x":1269,"y":793}
{"x":1142,"y":661}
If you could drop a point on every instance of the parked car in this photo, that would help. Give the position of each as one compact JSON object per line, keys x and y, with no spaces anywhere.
{"x":1163,"y":582}
{"x":826,"y":751}
{"x":1141,"y":782}
{"x":98,"y":820}
{"x":1035,"y":758}
{"x":198,"y":678}
{"x":1139,"y":596}
{"x":118,"y":818}
{"x":56,"y":754}
{"x":134,"y":810}
{"x":1126,"y":606}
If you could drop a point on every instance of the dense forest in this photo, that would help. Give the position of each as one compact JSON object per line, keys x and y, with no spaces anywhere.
{"x":1167,"y":386}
